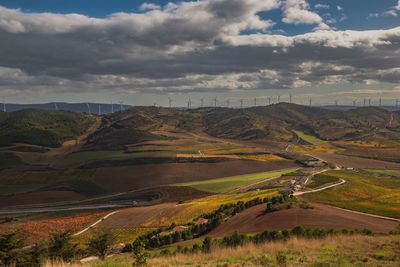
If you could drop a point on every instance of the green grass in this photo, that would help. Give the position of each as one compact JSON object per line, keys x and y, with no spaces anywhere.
{"x":309,"y":138}
{"x":363,"y":193}
{"x":320,"y":179}
{"x":392,"y":173}
{"x":227,"y":184}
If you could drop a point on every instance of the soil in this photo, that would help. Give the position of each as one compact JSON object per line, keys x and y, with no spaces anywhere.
{"x":253,"y":220}
{"x":124,"y":178}
{"x":40,"y":197}
{"x":355,"y":162}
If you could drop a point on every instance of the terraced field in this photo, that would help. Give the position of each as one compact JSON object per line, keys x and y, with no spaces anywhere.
{"x":363,"y":193}
{"x":309,"y":138}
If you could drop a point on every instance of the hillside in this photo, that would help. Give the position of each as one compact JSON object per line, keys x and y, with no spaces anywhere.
{"x":41,"y":127}
{"x":274,"y":122}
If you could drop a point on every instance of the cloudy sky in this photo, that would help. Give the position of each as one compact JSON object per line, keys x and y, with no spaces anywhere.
{"x":144,"y":52}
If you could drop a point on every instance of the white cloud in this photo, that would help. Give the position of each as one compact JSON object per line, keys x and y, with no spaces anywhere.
{"x":391,"y":12}
{"x":397,"y":7}
{"x":149,"y":6}
{"x":297,"y":12}
{"x":322,"y":6}
{"x":339,"y":8}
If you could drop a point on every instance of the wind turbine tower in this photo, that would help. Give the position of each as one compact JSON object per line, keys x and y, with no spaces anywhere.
{"x":269,"y":100}
{"x":310,"y":101}
{"x":255,"y":101}
{"x":227,"y":103}
{"x":354,"y":103}
{"x":215,"y":101}
{"x":55,"y":106}
{"x":241,"y":103}
{"x":397,"y":103}
{"x":290,"y":98}
{"x":88,"y":106}
{"x":369,"y":102}
{"x":4,"y":105}
{"x":279,"y":99}
{"x":380,"y":101}
{"x":202,"y":102}
{"x":189,"y":103}
{"x":99,"y":109}
{"x":112,"y":107}
{"x":364,"y":101}
{"x":169,"y":102}
{"x":120,"y":105}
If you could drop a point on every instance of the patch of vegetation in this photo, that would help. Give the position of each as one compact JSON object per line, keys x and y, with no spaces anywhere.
{"x":224,"y":185}
{"x":363,"y":193}
{"x":321,"y":179}
{"x":41,"y":127}
{"x":9,"y":160}
{"x":309,"y":138}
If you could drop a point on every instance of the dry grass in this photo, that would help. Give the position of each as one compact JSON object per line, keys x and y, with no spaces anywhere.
{"x":322,"y":148}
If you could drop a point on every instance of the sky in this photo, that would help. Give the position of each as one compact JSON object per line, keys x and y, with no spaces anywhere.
{"x":147,"y":52}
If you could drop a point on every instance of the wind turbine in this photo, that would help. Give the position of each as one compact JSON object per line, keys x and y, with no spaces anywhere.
{"x":99,"y":109}
{"x":202,"y":102}
{"x":4,"y":105}
{"x":215,"y":101}
{"x":170,"y":102}
{"x":380,"y":101}
{"x":112,"y":107}
{"x":120,"y":105}
{"x":227,"y":103}
{"x":364,"y":101}
{"x":88,"y":106}
{"x":255,"y":101}
{"x":397,"y":103}
{"x":269,"y":100}
{"x":279,"y":99}
{"x":55,"y":106}
{"x":241,"y":103}
{"x":290,"y":98}
{"x":310,"y":101}
{"x":189,"y":103}
{"x":369,"y":102}
{"x":354,"y":103}
{"x":336,"y":103}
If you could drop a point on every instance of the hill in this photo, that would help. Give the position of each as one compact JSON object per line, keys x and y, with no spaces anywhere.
{"x":41,"y":127}
{"x":275,"y":122}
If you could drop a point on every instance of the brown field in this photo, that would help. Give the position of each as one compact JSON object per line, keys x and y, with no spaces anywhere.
{"x":134,"y":217}
{"x":386,"y":154}
{"x":323,"y":216}
{"x":141,"y":176}
{"x":206,"y":156}
{"x":39,"y":198}
{"x":355,"y":162}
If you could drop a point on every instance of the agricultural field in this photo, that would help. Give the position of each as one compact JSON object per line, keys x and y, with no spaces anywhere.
{"x":306,"y":149}
{"x":321,"y":179}
{"x":36,"y":227}
{"x":384,"y":172}
{"x":385,"y":154}
{"x":363,"y":193}
{"x":309,"y":138}
{"x":227,"y":184}
{"x":356,"y":162}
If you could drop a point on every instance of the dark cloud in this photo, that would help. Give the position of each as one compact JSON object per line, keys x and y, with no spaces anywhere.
{"x":186,"y":47}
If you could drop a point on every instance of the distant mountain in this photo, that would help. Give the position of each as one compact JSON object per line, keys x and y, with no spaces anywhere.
{"x":75,"y":107}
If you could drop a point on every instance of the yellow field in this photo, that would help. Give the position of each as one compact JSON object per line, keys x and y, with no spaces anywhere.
{"x":201,"y":206}
{"x":323,"y":148}
{"x":264,"y":157}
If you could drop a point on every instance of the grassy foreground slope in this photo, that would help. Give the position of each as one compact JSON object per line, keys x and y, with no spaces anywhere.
{"x":363,"y":193}
{"x":227,"y":184}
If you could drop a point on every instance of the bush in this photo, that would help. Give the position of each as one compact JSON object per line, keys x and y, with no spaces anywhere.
{"x":140,"y":254}
{"x":9,"y":244}
{"x":100,"y":243}
{"x":60,"y":246}
{"x":206,"y":246}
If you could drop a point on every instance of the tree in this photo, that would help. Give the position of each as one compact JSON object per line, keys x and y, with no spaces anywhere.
{"x":206,"y":247}
{"x":38,"y":254}
{"x":100,"y":243}
{"x":139,"y":253}
{"x":60,"y":246}
{"x":9,"y":243}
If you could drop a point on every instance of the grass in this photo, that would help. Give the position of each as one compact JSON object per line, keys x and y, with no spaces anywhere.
{"x":309,"y":138}
{"x":320,"y":179}
{"x":363,"y":193}
{"x":391,"y":173}
{"x":227,"y":184}
{"x":262,"y":157}
{"x":337,"y":250}
{"x":9,"y":160}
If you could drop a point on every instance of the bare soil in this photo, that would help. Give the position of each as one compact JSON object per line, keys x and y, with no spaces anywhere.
{"x":323,"y":216}
{"x":355,"y":162}
{"x":40,"y":197}
{"x":124,"y":178}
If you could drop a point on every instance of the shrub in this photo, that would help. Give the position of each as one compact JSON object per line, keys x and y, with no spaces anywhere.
{"x":206,"y":246}
{"x":100,"y":243}
{"x":60,"y":246}
{"x":140,"y":254}
{"x":9,"y":243}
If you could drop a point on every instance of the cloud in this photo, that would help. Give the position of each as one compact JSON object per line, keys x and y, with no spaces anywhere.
{"x":339,"y":8}
{"x":297,"y":12}
{"x":322,"y":6}
{"x":194,"y":46}
{"x":149,"y":6}
{"x":397,"y":7}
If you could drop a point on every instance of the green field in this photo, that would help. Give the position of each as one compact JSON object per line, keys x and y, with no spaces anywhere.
{"x":391,"y":173}
{"x":309,"y":138}
{"x":227,"y":184}
{"x":321,"y":179}
{"x":363,"y":193}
